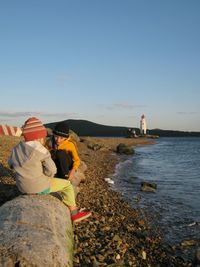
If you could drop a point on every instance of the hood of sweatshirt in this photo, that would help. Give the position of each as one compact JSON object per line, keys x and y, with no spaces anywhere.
{"x":33,"y":166}
{"x":25,"y":151}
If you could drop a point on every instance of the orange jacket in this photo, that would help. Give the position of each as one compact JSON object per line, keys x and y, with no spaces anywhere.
{"x":70,"y":147}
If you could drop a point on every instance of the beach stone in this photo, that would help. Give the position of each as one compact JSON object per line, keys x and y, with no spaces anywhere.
{"x":148,"y":187}
{"x":74,"y":136}
{"x":78,"y":178}
{"x":35,"y":231}
{"x":82,"y":167}
{"x":94,"y":146}
{"x":125,"y":149}
{"x":79,"y":175}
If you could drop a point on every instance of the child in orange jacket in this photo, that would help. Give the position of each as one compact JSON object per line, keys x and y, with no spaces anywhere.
{"x":64,"y":152}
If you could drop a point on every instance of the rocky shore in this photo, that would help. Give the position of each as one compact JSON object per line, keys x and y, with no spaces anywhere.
{"x":116,"y":234}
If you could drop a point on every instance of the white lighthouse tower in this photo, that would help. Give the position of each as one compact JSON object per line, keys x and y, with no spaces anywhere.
{"x":143,"y":125}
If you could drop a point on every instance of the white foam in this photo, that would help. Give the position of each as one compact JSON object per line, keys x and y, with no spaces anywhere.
{"x":108,"y":180}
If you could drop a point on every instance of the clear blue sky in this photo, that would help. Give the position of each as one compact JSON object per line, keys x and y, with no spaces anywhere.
{"x":107,"y":61}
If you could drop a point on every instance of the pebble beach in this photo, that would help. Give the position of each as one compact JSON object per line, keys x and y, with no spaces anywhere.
{"x":115,"y":234}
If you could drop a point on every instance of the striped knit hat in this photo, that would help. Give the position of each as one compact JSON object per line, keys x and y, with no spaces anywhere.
{"x":33,"y":129}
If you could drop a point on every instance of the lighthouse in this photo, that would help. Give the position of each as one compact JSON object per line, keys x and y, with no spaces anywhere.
{"x":143,"y":125}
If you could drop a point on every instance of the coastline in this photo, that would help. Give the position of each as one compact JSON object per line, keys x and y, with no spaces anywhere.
{"x":116,"y":234}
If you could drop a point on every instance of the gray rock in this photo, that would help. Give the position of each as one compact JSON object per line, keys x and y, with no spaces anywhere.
{"x":78,"y":178}
{"x":35,"y":231}
{"x":82,"y":167}
{"x":148,"y":187}
{"x":74,"y":136}
{"x":125,"y":149}
{"x":94,"y":146}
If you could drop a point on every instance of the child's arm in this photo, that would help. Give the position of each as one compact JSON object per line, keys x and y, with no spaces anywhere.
{"x":76,"y":161}
{"x":71,"y":174}
{"x":75,"y":157}
{"x":49,"y":167}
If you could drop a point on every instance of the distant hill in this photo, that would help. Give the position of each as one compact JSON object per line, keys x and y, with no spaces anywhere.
{"x":88,"y":128}
{"x":170,"y":133}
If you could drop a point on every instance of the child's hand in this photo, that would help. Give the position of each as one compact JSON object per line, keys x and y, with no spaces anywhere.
{"x":71,"y":174}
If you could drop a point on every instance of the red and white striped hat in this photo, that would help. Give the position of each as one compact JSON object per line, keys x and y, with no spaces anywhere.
{"x":33,"y":129}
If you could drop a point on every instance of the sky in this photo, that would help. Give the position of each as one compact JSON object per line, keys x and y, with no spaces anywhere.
{"x":106,"y":61}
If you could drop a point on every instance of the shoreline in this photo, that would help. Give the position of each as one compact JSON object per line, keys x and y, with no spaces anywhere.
{"x":116,"y":234}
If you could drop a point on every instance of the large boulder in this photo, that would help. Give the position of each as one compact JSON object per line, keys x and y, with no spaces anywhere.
{"x":82,"y":167}
{"x":79,"y":177}
{"x":74,"y":136}
{"x":35,"y":231}
{"x":125,"y":149}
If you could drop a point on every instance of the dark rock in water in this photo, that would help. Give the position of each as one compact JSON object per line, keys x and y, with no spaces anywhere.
{"x":148,"y":187}
{"x":125,"y":149}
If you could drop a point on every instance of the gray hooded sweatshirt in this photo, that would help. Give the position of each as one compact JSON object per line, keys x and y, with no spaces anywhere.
{"x":33,"y":166}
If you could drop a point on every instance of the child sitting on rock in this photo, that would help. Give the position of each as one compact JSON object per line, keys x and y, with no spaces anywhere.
{"x":64,"y":152}
{"x":35,"y":169}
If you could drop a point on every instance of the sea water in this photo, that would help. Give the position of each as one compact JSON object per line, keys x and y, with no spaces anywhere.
{"x":174,"y":165}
